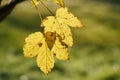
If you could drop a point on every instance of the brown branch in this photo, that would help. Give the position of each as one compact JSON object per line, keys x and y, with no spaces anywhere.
{"x":8,"y":8}
{"x":0,"y":2}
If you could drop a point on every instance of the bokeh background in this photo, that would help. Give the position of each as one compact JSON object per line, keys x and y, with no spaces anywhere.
{"x":94,"y":56}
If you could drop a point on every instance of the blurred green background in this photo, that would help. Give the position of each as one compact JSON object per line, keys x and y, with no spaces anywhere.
{"x":94,"y":56}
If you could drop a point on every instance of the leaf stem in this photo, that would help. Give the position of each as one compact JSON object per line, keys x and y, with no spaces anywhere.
{"x":39,"y":13}
{"x":47,"y":8}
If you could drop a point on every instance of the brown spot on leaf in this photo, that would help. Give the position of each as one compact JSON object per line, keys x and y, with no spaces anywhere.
{"x":54,"y":54}
{"x":40,"y":44}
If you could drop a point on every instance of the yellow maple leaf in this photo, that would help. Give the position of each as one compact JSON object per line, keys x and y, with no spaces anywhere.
{"x":52,"y":24}
{"x":60,"y":24}
{"x":55,"y":41}
{"x":45,"y":47}
{"x":35,"y":44}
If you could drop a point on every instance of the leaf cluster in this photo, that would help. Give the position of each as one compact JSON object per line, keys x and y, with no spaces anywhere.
{"x":54,"y":41}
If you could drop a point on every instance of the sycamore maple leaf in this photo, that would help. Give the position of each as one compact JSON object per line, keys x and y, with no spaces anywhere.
{"x":60,"y":24}
{"x":55,"y":41}
{"x":45,"y":47}
{"x":35,"y":45}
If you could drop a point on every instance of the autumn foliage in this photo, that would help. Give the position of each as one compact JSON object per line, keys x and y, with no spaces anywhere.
{"x":54,"y":41}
